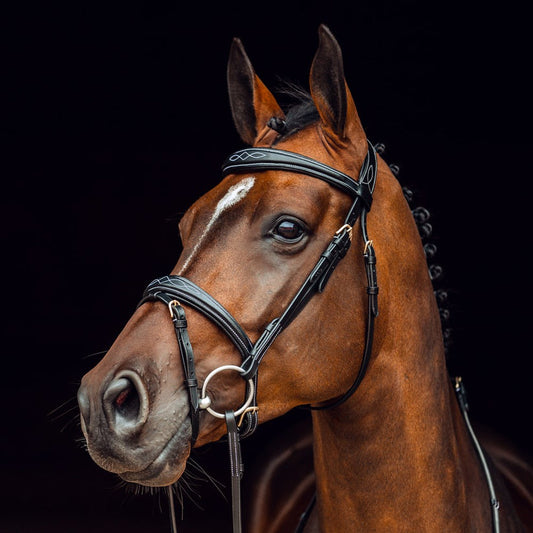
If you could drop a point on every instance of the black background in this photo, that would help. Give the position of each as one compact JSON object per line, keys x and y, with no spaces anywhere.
{"x":115,"y":118}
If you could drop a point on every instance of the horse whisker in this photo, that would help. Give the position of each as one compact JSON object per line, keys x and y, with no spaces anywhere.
{"x":65,"y":403}
{"x":192,"y":463}
{"x":64,"y":413}
{"x":95,"y":354}
{"x":75,"y":420}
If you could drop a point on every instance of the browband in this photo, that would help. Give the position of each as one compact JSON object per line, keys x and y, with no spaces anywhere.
{"x":256,"y":159}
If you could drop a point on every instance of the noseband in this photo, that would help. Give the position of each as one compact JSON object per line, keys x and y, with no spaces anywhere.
{"x":177,"y":290}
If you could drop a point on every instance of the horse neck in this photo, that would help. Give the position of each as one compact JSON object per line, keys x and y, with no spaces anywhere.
{"x":396,"y":455}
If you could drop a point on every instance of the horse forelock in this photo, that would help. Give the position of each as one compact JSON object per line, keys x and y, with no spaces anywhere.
{"x":299,"y":113}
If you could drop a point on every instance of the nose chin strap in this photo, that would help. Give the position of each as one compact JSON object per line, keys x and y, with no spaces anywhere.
{"x":177,"y":290}
{"x":174,"y":291}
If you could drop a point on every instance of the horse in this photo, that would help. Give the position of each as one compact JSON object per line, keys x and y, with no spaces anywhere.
{"x":273,"y":306}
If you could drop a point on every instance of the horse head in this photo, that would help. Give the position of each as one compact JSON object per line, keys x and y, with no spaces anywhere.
{"x":250,"y":243}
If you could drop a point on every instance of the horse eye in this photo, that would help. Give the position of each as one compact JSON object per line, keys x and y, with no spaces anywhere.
{"x":288,"y":230}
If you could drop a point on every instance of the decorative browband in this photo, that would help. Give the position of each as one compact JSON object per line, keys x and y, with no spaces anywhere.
{"x":256,"y":159}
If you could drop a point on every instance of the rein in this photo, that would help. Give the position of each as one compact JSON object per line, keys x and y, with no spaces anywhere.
{"x":174,"y":290}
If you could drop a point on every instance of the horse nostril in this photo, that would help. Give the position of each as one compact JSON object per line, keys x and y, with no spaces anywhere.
{"x":126,"y":402}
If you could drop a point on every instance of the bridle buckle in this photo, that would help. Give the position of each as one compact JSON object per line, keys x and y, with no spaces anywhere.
{"x":171,"y":304}
{"x":251,"y":409}
{"x":347,"y":228}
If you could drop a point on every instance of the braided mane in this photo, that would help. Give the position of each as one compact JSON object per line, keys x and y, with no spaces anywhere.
{"x":425,"y":229}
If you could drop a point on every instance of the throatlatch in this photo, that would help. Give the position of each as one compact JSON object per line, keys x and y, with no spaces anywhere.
{"x":177,"y":290}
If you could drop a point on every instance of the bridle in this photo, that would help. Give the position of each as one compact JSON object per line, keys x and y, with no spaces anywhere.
{"x":175,"y":290}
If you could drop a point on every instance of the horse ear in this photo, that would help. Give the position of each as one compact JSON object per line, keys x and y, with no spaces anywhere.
{"x":329,"y":90}
{"x":252,"y":104}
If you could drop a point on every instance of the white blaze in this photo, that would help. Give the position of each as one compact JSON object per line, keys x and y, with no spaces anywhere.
{"x":235,"y":193}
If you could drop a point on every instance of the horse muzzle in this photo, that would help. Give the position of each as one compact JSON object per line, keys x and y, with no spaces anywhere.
{"x":131,"y":431}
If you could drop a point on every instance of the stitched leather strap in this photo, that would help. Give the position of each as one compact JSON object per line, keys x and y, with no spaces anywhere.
{"x":315,"y":282}
{"x":187,"y":359}
{"x":257,"y":159}
{"x":186,"y":291}
{"x":237,"y":469}
{"x":319,"y":276}
{"x":460,"y":391}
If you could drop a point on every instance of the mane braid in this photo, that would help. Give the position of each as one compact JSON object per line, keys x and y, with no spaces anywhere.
{"x":421,"y":216}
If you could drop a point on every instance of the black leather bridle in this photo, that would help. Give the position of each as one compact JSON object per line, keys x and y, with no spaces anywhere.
{"x":177,"y":290}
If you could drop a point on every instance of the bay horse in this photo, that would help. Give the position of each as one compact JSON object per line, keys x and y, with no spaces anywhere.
{"x":273,"y":304}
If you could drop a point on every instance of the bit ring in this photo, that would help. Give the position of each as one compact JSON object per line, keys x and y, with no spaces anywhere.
{"x":206,"y":401}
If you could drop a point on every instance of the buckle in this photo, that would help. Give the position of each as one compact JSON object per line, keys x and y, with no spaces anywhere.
{"x":348,"y":229}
